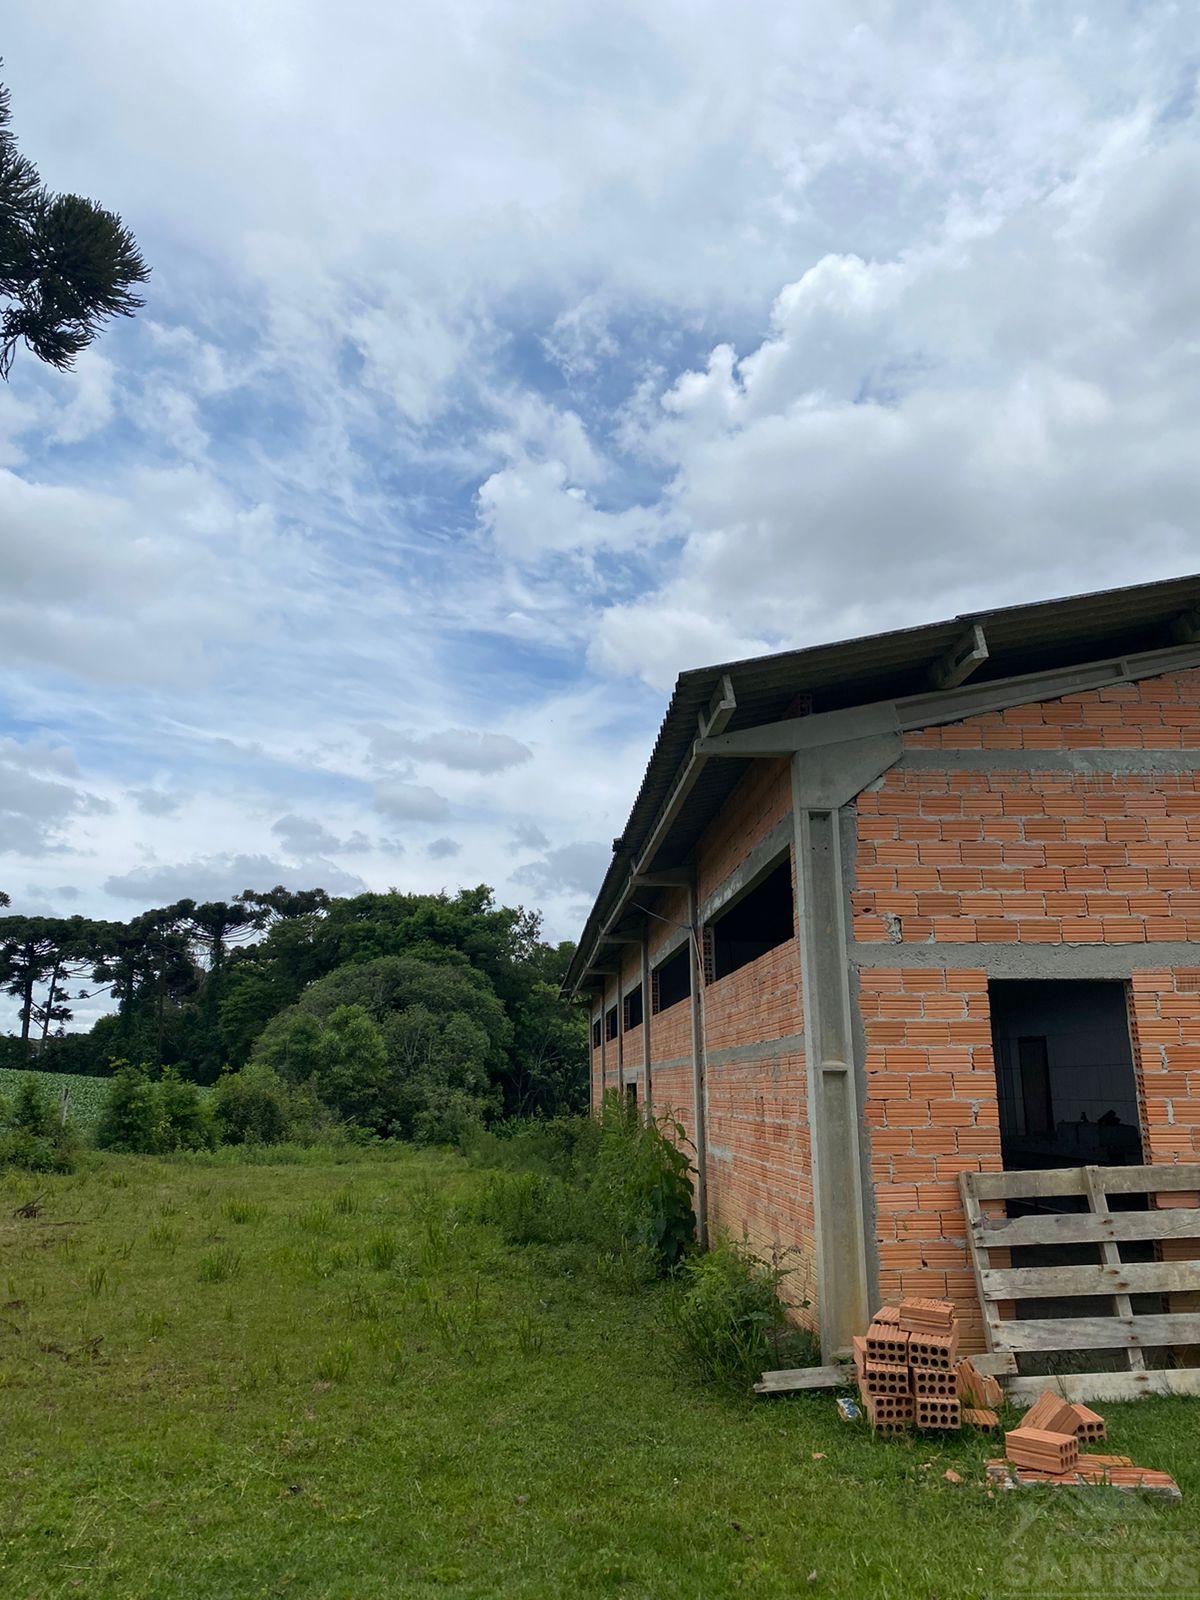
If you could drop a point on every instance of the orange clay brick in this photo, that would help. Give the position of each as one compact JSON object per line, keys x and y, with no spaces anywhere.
{"x":980,"y":1388}
{"x":888,"y":1413}
{"x":1051,"y":1413}
{"x":936,"y":1350}
{"x":1041,"y":1449}
{"x":979,"y":1418}
{"x":886,"y":1342}
{"x":920,"y":1315}
{"x":931,"y":1411}
{"x":936,"y":1382}
{"x":1090,"y":1426}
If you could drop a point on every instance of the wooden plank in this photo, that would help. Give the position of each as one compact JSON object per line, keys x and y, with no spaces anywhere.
{"x":1028,"y":1185}
{"x":789,"y":1380}
{"x":1162,"y":1179}
{"x":1167,"y":1178}
{"x":995,"y":1363}
{"x":1111,"y":1257}
{"x":1121,"y":1280}
{"x":967,"y":1188}
{"x":1084,"y":1227}
{"x":1098,"y":1333}
{"x":1103,"y":1386}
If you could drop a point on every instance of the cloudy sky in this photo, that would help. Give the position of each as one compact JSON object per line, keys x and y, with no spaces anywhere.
{"x":501,"y":360}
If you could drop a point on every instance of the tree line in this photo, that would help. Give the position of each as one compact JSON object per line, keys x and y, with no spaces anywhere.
{"x":418,"y":988}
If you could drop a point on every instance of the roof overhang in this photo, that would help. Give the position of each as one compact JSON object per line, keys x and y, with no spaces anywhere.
{"x":724,"y":716}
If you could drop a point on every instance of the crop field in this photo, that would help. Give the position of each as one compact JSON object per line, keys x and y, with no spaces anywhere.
{"x":86,"y":1095}
{"x":320,"y":1376}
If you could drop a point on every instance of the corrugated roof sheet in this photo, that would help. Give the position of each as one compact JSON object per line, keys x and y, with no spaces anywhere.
{"x":882,"y":666}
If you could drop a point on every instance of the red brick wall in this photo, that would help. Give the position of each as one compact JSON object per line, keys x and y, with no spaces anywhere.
{"x":759,"y":1170}
{"x":671,"y":1030}
{"x":759,"y":1181}
{"x":1017,"y":857}
{"x":761,"y":799}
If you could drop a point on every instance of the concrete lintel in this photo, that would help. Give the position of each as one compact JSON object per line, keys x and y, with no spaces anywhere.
{"x":793,"y":734}
{"x":1077,"y":763}
{"x":829,"y":776}
{"x":1032,"y":960}
{"x":765,"y":854}
{"x":665,"y":878}
{"x":963,"y":658}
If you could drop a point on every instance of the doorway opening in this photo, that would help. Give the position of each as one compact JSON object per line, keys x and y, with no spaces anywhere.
{"x":1064,"y":1074}
{"x":1068,"y":1098}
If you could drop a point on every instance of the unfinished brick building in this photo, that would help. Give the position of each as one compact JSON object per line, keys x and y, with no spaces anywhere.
{"x":893,"y":909}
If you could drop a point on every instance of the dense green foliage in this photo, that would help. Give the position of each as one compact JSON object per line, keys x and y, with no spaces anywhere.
{"x":146,"y":1115}
{"x":323,"y":1379}
{"x":413,"y":1016}
{"x":614,"y":1184}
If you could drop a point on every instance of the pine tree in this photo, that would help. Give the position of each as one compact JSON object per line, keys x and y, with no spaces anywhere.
{"x":66,"y":264}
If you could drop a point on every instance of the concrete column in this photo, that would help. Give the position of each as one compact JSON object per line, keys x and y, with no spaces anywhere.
{"x":833,"y":1108}
{"x":647,"y":1087}
{"x":621,"y":1024}
{"x":603,"y":1037}
{"x":699,"y":1085}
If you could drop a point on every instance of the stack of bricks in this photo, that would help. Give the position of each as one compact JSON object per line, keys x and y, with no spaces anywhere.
{"x":1045,"y":1449}
{"x":906,"y":1367}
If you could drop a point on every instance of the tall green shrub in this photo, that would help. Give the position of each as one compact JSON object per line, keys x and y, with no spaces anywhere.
{"x":252,"y":1106}
{"x":640,"y":1182}
{"x":728,"y":1314}
{"x":132,"y":1117}
{"x":185,"y":1122}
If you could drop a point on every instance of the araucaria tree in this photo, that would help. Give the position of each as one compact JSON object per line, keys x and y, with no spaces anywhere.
{"x":66,"y":264}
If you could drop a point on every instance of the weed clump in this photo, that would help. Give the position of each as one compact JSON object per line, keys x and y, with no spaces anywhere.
{"x":728,"y":1314}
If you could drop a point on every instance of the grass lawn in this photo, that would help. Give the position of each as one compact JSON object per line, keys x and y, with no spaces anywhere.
{"x":228,"y":1380}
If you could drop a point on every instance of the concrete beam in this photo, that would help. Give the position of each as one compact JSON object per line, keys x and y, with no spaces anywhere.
{"x":829,"y":776}
{"x":966,"y":655}
{"x":1081,"y":763}
{"x":664,"y":878}
{"x":1031,"y":960}
{"x":794,"y":734}
{"x":761,"y":859}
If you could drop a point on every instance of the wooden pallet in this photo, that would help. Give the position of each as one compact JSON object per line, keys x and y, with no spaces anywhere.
{"x":1120,"y":1328}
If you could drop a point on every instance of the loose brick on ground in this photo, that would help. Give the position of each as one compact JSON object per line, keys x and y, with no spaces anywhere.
{"x":1090,"y":1427}
{"x":1041,"y":1449}
{"x":1051,"y":1413}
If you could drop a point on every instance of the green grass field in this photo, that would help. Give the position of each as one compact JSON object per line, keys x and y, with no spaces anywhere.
{"x":86,"y":1094}
{"x":228,"y":1380}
